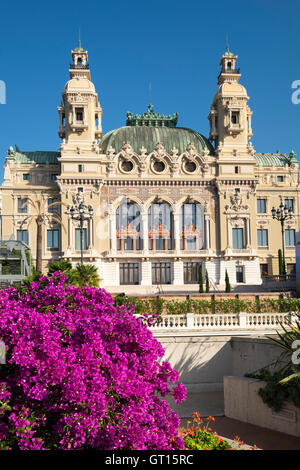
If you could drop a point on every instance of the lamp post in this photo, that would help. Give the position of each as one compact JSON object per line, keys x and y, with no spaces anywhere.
{"x":282,"y":214}
{"x":84,"y":213}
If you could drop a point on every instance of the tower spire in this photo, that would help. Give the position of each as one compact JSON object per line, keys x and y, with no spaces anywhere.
{"x":79,"y":40}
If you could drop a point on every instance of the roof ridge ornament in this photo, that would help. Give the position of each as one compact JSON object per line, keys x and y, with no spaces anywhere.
{"x":151,"y":118}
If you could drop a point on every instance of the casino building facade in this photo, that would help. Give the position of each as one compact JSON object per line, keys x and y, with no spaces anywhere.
{"x":166,"y":200}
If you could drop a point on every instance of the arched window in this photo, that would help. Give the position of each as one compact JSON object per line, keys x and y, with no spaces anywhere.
{"x":191,"y":227}
{"x":128,"y":227}
{"x":160,"y":227}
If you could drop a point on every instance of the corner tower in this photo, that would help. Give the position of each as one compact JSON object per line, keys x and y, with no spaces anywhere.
{"x":80,"y":112}
{"x":230,"y":116}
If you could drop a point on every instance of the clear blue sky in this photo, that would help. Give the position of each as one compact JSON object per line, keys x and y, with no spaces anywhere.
{"x":174,"y":44}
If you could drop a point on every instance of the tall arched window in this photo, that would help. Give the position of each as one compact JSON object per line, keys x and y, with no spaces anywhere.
{"x":160,"y":227}
{"x":128,"y":227}
{"x":191,"y":227}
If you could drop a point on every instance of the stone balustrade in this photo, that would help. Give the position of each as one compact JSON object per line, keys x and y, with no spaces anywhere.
{"x":230,"y":321}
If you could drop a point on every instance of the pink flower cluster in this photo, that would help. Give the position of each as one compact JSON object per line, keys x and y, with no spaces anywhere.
{"x":82,"y":373}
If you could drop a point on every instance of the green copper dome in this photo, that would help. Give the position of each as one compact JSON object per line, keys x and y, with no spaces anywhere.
{"x":148,"y":137}
{"x":150,"y":128}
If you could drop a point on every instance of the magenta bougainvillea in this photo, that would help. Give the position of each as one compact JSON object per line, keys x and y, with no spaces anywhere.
{"x":81,"y":373}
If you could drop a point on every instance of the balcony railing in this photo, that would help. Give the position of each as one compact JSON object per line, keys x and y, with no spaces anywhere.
{"x":79,"y":66}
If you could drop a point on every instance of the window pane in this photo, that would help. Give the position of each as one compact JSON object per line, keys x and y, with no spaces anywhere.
{"x":22,"y":206}
{"x":52,"y":200}
{"x":129,"y":273}
{"x":52,"y":238}
{"x":160,"y":227}
{"x":77,"y":239}
{"x":262,"y":237}
{"x":261,"y":206}
{"x":191,"y":272}
{"x":191,"y":227}
{"x":237,"y":238}
{"x":289,"y":203}
{"x":239,"y":274}
{"x":22,"y":236}
{"x":161,"y":273}
{"x":290,"y":237}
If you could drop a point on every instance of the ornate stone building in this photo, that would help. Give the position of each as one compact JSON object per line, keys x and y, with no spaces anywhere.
{"x":166,"y":200}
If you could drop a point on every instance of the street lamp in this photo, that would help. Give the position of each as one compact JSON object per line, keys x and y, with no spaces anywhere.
{"x":282,"y":214}
{"x":84,"y":213}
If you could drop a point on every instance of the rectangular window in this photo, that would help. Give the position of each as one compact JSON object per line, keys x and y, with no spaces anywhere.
{"x":264,"y":269}
{"x":80,"y":190}
{"x":290,"y":237}
{"x":22,"y":236}
{"x":279,"y":179}
{"x":129,"y":274}
{"x":235,"y":117}
{"x":80,"y":169}
{"x":291,"y":269}
{"x":262,"y":237}
{"x":289,"y":203}
{"x":26,"y":177}
{"x":53,"y":177}
{"x":191,"y":272}
{"x":239,"y":274}
{"x":77,"y":239}
{"x":79,"y":114}
{"x":161,"y":273}
{"x":261,"y":206}
{"x":53,"y":200}
{"x":22,"y":205}
{"x":238,"y":238}
{"x":53,"y":239}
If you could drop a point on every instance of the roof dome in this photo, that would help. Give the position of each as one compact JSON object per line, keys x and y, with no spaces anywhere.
{"x":83,"y":84}
{"x":148,"y":129}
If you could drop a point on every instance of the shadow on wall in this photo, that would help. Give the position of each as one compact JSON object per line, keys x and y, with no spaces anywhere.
{"x":203,"y":361}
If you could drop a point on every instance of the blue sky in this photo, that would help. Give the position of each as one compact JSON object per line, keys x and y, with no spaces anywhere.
{"x":175,"y":45}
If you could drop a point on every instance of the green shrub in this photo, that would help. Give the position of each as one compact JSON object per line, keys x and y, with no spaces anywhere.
{"x":227,"y":283}
{"x":206,"y":282}
{"x":274,"y":394}
{"x":201,"y":290}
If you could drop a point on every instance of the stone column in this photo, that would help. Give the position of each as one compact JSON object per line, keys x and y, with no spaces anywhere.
{"x":248,"y":232}
{"x":112,"y":227}
{"x":228,"y":231}
{"x":176,"y":228}
{"x":91,"y":241}
{"x":146,"y":274}
{"x":70,"y":233}
{"x":144,"y":228}
{"x":207,"y":232}
{"x":178,"y":272}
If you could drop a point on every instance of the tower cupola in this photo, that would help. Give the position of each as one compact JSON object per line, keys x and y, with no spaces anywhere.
{"x":80,"y":112}
{"x":229,"y":72}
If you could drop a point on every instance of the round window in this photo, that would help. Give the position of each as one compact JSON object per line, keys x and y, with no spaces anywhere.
{"x":190,"y":166}
{"x":159,"y":166}
{"x":127,"y":165}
